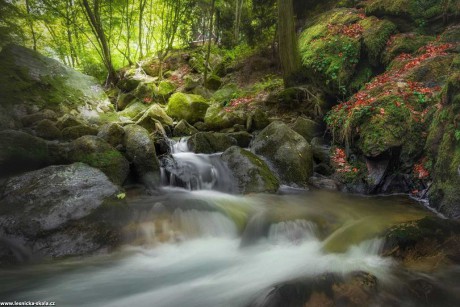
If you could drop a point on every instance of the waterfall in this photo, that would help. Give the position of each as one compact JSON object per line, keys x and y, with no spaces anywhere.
{"x":191,"y":171}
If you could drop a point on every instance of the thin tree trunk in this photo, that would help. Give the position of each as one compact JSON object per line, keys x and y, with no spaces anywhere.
{"x":211,"y":23}
{"x":31,"y":25}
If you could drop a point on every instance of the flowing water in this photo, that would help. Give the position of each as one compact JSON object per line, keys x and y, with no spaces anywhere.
{"x":196,"y":244}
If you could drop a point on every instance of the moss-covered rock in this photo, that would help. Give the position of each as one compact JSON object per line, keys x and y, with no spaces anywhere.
{"x":34,"y":118}
{"x":48,"y":130}
{"x":29,"y":78}
{"x":184,"y":129}
{"x":218,"y":117}
{"x":97,"y":153}
{"x":192,"y":108}
{"x":252,"y":173}
{"x":192,"y":81}
{"x":214,"y":82}
{"x":123,"y":100}
{"x":165,"y":89}
{"x":144,"y":91}
{"x":287,"y":151}
{"x":243,"y":138}
{"x":140,"y":151}
{"x":331,"y":46}
{"x":74,"y":132}
{"x":133,"y":111}
{"x":443,"y":148}
{"x":21,"y":151}
{"x":404,"y":43}
{"x":210,"y":142}
{"x":152,"y":114}
{"x":112,"y":133}
{"x":306,"y":128}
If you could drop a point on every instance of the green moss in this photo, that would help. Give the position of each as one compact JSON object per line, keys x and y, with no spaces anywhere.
{"x":190,"y":107}
{"x":166,"y":88}
{"x":404,"y":43}
{"x":376,"y":34}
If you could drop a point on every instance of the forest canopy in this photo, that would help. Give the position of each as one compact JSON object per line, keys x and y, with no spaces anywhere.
{"x":98,"y":37}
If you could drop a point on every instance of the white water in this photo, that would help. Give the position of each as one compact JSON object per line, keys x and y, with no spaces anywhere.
{"x":209,"y":271}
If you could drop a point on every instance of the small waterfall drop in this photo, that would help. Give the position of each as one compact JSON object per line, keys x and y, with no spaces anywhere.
{"x":191,"y":171}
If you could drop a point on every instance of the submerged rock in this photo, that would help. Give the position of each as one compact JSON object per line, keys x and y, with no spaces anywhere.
{"x":287,"y":151}
{"x":252,"y":173}
{"x":60,"y":211}
{"x":210,"y":142}
{"x":97,"y":153}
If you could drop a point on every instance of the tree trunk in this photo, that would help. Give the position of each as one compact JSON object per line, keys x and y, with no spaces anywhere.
{"x":31,"y":25}
{"x":208,"y":53}
{"x":287,"y":39}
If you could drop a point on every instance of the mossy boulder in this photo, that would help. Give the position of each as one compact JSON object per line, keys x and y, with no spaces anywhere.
{"x":29,"y":78}
{"x":404,"y":43}
{"x":252,"y":173}
{"x":306,"y":128}
{"x":123,"y":100}
{"x":34,"y":118}
{"x":97,"y":153}
{"x":165,"y":89}
{"x":48,"y":130}
{"x":443,"y":148}
{"x":112,"y":133}
{"x":214,"y":82}
{"x":286,"y":151}
{"x":184,"y":129}
{"x":218,"y":117}
{"x":134,"y":110}
{"x":210,"y":142}
{"x":144,"y":91}
{"x":190,"y":107}
{"x":21,"y":151}
{"x":332,"y":44}
{"x":192,"y":81}
{"x":75,"y":132}
{"x":421,"y":14}
{"x":140,"y":151}
{"x":58,"y":211}
{"x":243,"y":138}
{"x":154,"y":114}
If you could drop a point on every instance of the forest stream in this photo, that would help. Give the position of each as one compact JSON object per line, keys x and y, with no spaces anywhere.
{"x":196,"y":246}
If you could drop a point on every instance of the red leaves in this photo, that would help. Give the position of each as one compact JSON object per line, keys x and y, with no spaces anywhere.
{"x":148,"y":100}
{"x":354,"y":30}
{"x":419,"y":169}
{"x":242,"y":102}
{"x":339,"y":161}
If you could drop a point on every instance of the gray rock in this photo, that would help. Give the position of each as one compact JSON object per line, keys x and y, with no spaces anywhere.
{"x":251,"y":173}
{"x":60,"y":211}
{"x":47,"y":129}
{"x":20,"y":151}
{"x":140,"y":151}
{"x":243,"y":138}
{"x":306,"y":128}
{"x":286,"y":151}
{"x":112,"y":133}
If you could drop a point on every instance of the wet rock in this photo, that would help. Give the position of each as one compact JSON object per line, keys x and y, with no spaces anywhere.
{"x":424,"y":245}
{"x":257,"y":120}
{"x":192,"y":108}
{"x":140,"y":151}
{"x":252,"y":173}
{"x":60,"y":211}
{"x":325,"y":183}
{"x":287,"y":151}
{"x":210,"y":142}
{"x":21,"y":151}
{"x":243,"y":138}
{"x":112,"y":133}
{"x":97,"y":153}
{"x":217,"y":118}
{"x":124,"y":99}
{"x":183,"y":128}
{"x":329,"y":289}
{"x":133,"y":111}
{"x":34,"y":118}
{"x":153,"y":114}
{"x":75,"y":132}
{"x":321,"y":150}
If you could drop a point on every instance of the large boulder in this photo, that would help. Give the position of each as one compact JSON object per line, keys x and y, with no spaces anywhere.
{"x":286,"y":151}
{"x":59,"y":211}
{"x":97,"y":153}
{"x":21,"y":151}
{"x":306,"y":128}
{"x":154,"y":114}
{"x":190,"y":107}
{"x":251,"y":173}
{"x":140,"y":151}
{"x":184,"y":129}
{"x":32,"y":79}
{"x":210,"y":142}
{"x":219,"y":117}
{"x":112,"y":133}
